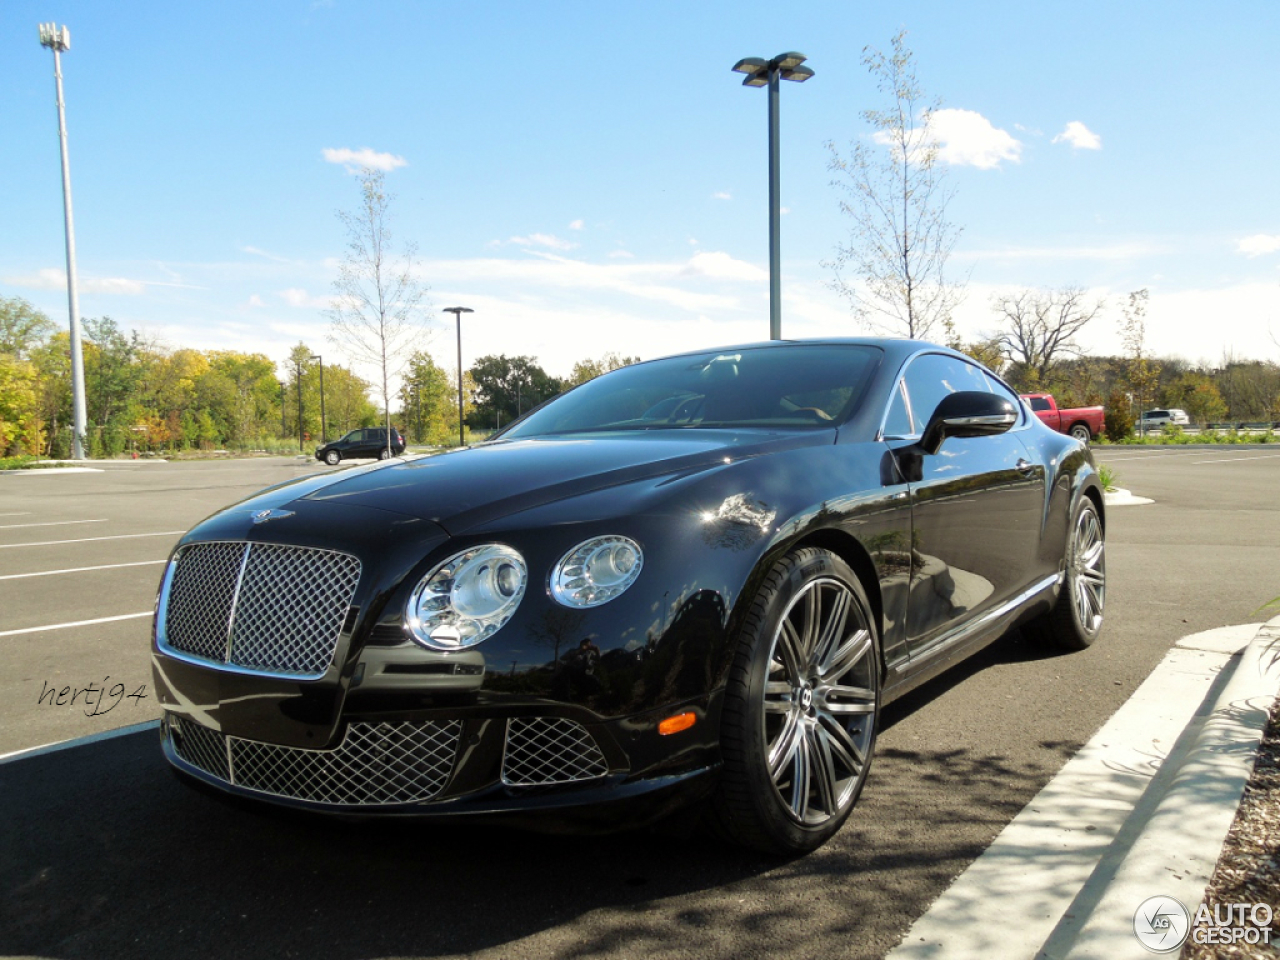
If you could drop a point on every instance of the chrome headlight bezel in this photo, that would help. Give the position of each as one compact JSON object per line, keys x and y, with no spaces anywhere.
{"x":596,"y":571}
{"x":467,"y":598}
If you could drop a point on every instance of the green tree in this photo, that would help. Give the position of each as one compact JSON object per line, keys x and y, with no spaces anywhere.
{"x":427,"y":397}
{"x":22,"y":327}
{"x":896,"y":193}
{"x":1196,"y":393}
{"x":1142,"y":374}
{"x":20,"y":430}
{"x":507,"y":387}
{"x":589,"y":369}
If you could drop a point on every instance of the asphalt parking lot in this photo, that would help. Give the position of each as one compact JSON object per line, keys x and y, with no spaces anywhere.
{"x":104,"y":855}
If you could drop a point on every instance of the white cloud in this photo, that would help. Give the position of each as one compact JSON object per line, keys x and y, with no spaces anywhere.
{"x":1258,"y":244}
{"x":716,"y":265}
{"x":577,"y":225}
{"x":968,"y":139}
{"x":297,"y":297}
{"x":265,"y":255}
{"x":622,"y":255}
{"x":355,"y":160}
{"x":1107,"y":253}
{"x":52,"y":278}
{"x":547,"y":240}
{"x":722,"y":195}
{"x":255,"y":301}
{"x":1079,"y":136}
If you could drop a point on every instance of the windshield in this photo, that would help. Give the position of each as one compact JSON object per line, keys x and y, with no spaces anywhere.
{"x":791,"y":387}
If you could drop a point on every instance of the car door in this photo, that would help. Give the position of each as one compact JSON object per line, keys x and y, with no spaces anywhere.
{"x":976,"y":506}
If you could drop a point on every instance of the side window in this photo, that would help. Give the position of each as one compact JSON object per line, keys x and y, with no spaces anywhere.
{"x":1038,"y":403}
{"x":898,"y":422}
{"x":932,"y":377}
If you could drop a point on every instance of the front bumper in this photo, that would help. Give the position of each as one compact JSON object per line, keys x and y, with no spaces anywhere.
{"x":594,"y":775}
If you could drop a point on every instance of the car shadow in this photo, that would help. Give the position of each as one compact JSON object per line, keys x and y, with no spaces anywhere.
{"x":103,"y":853}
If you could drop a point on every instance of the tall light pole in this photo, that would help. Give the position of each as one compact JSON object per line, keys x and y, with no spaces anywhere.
{"x":324,"y":432}
{"x":58,"y":39}
{"x":765,"y":73}
{"x":457,"y":315}
{"x":298,"y":377}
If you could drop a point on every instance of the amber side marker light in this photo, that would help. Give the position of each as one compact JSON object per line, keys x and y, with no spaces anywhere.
{"x":674,"y":724}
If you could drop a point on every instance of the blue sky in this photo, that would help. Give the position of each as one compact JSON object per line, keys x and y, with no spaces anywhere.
{"x":591,"y":177}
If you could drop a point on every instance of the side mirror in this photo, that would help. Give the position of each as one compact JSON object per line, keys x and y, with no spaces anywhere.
{"x":969,"y":413}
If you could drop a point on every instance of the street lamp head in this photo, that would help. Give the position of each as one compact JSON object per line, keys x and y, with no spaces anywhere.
{"x":55,"y":37}
{"x":316,"y":357}
{"x":787,"y":65}
{"x":457,"y":310}
{"x":798,"y":74}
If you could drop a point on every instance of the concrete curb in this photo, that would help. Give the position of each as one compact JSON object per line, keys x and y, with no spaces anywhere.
{"x":1141,"y":810}
{"x":1180,"y":843}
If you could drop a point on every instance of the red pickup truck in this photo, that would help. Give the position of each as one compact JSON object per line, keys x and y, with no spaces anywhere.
{"x":1083,"y":423}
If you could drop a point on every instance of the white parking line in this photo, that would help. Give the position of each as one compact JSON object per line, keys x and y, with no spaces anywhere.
{"x":1265,"y":456}
{"x":74,"y":623}
{"x":78,"y":741}
{"x":52,"y":573}
{"x":52,"y":523}
{"x":121,"y":536}
{"x":24,"y":513}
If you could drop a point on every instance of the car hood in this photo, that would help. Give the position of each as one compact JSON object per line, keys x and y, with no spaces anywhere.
{"x":463,"y":488}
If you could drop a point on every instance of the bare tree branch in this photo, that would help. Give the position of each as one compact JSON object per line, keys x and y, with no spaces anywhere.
{"x":1041,"y":326}
{"x":378,"y":312}
{"x":893,"y":269}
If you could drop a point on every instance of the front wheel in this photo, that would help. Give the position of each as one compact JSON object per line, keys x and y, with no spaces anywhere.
{"x":1076,"y":619}
{"x":801,"y":705}
{"x":1081,"y":432}
{"x":332,"y":458}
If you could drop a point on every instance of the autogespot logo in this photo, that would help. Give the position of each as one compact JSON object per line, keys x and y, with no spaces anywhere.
{"x":1161,"y":924}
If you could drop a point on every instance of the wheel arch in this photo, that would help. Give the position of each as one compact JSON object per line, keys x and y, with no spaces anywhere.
{"x":849,"y":549}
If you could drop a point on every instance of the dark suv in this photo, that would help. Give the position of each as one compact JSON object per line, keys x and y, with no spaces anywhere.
{"x":364,"y":442}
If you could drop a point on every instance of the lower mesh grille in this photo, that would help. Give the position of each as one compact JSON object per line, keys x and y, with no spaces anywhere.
{"x":547,"y":750}
{"x":402,"y":762}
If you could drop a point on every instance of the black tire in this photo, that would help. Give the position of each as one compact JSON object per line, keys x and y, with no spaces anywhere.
{"x":1081,"y":432}
{"x":1076,"y":618}
{"x":384,"y":454}
{"x":333,"y":458}
{"x":801,"y":707}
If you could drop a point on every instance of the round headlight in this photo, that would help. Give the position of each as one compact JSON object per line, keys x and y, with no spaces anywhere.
{"x":596,"y":571}
{"x":468,"y":598}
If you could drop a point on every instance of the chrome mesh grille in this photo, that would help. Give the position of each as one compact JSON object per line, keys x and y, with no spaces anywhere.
{"x":403,"y":762}
{"x":260,"y":606}
{"x":546,"y":750}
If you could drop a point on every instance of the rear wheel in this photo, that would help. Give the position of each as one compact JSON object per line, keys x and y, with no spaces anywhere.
{"x":1076,"y":619}
{"x":1081,"y":432}
{"x":801,"y":706}
{"x":384,"y":454}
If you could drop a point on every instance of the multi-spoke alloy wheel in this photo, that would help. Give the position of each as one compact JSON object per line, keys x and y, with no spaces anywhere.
{"x":1076,"y":619}
{"x":801,"y":707}
{"x":819,"y":698}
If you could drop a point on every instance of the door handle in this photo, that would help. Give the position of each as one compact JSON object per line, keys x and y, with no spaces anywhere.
{"x":1025,"y":467}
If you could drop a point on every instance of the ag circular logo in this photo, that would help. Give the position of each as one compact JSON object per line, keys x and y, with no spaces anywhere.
{"x":1161,"y":924}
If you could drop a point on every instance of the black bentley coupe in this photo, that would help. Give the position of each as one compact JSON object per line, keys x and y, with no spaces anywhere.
{"x":695,"y":580}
